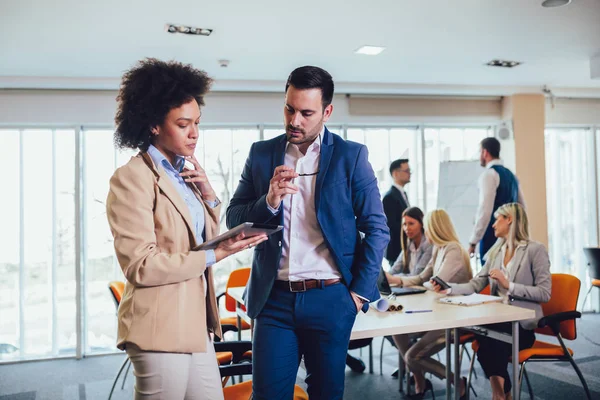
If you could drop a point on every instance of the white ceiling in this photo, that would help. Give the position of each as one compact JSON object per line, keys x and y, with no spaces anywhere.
{"x":432,"y":44}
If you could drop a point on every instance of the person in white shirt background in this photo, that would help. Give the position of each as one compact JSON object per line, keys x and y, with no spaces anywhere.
{"x":497,"y":186}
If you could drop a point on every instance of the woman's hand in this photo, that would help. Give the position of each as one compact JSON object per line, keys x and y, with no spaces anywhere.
{"x":199,"y":178}
{"x":437,"y":288}
{"x":393,"y":279}
{"x":500,"y":278}
{"x":237,"y":244}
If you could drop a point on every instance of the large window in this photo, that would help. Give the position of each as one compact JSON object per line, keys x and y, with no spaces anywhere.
{"x":571,"y":197}
{"x":37,"y":273}
{"x":386,"y":145}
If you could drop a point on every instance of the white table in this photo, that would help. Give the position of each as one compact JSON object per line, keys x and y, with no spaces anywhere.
{"x":444,"y":316}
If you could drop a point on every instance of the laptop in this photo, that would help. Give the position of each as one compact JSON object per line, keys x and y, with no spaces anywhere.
{"x":384,"y":287}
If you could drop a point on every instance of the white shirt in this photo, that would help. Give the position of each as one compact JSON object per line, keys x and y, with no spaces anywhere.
{"x":488,"y":185}
{"x":304,"y":254}
{"x":504,"y":293}
{"x":402,"y":192}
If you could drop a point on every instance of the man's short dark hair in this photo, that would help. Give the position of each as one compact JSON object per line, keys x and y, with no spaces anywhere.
{"x":397,"y":164}
{"x":148,"y":92}
{"x":492,"y":145}
{"x":309,"y":77}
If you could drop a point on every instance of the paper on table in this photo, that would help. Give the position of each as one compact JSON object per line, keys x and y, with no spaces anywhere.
{"x":383,"y":305}
{"x":470,"y":300}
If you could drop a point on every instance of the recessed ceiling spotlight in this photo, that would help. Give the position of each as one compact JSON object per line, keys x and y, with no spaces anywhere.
{"x":503,"y":63}
{"x":189,"y":30}
{"x":369,"y":50}
{"x":555,"y":3}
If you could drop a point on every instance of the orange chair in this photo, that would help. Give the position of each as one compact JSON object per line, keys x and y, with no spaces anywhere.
{"x":116,"y":290}
{"x":558,"y":322}
{"x":237,"y":278}
{"x":241,"y":365}
{"x":593,"y":256}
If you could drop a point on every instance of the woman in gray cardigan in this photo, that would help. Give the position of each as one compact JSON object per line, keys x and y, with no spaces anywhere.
{"x":416,"y":249}
{"x":517,"y":269}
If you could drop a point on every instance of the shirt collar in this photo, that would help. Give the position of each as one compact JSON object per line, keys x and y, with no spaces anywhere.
{"x":496,"y":161}
{"x":412,"y":245}
{"x":399,"y":187}
{"x":159,"y":158}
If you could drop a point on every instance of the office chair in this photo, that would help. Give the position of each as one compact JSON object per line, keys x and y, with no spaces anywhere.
{"x":237,"y":278}
{"x":558,"y":322}
{"x":116,"y":289}
{"x":593,"y":256}
{"x":241,"y":365}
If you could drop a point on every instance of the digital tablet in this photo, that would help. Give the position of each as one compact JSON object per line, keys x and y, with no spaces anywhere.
{"x":248,"y":228}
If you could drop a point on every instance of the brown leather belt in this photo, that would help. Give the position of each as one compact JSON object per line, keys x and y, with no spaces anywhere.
{"x":303,"y":286}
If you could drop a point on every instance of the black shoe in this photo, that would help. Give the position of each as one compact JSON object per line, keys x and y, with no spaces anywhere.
{"x":395,"y":374}
{"x":355,"y":364}
{"x":418,"y":396}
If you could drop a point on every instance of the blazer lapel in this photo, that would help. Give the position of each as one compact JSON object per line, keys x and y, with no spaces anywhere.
{"x":325,"y":160}
{"x":277,"y":159}
{"x":164,"y":183}
{"x":516,"y":265}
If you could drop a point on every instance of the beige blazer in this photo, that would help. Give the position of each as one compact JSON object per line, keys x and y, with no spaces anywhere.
{"x":166,"y":305}
{"x":446,"y":262}
{"x":530,"y":273}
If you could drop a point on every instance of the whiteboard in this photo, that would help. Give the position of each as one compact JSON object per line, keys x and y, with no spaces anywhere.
{"x":458,"y":194}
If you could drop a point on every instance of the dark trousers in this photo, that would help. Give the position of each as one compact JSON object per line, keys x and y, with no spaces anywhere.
{"x":317,"y":324}
{"x":493,"y":355}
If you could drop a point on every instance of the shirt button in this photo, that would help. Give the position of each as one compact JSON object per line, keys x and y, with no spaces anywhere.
{"x":280,"y":243}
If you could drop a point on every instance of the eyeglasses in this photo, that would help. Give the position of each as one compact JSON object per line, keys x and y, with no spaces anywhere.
{"x":405,"y":170}
{"x":318,"y":162}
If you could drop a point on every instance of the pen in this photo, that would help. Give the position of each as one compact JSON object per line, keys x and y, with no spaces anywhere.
{"x":417,"y":311}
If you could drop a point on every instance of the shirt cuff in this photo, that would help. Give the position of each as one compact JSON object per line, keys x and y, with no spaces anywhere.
{"x":211,"y":258}
{"x":360,"y":297}
{"x":511,"y":287}
{"x":213,"y":204}
{"x":274,"y":211}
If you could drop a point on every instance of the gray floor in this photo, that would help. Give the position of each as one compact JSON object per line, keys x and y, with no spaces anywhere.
{"x":91,"y":378}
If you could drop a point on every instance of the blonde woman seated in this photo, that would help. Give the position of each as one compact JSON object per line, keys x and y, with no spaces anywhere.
{"x":519,"y":267}
{"x":416,"y":249}
{"x":450,"y":262}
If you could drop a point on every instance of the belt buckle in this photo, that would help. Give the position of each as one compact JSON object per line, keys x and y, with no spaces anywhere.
{"x":298,"y":291}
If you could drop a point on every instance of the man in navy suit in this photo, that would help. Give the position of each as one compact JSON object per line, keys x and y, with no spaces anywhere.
{"x":309,"y":281}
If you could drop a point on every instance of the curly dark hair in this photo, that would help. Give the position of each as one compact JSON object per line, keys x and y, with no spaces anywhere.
{"x":148,"y":92}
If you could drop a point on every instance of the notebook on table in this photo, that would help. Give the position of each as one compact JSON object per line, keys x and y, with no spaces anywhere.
{"x":470,"y":300}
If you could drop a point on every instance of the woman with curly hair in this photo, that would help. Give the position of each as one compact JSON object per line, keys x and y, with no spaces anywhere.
{"x":159,"y":211}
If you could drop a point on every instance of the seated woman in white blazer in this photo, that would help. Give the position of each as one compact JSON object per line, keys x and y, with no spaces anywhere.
{"x":517,"y":268}
{"x":450,"y":262}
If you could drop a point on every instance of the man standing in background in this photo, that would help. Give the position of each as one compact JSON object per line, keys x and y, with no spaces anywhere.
{"x":395,"y":202}
{"x":497,"y":186}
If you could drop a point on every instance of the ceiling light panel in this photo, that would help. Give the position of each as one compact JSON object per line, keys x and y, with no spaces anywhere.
{"x":503,"y":63}
{"x":369,"y":50}
{"x":188,"y":30}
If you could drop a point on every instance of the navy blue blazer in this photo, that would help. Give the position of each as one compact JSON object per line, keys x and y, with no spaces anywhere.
{"x":347,"y":201}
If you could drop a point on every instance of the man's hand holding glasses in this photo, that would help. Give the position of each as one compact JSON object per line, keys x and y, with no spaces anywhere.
{"x":281,"y":185}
